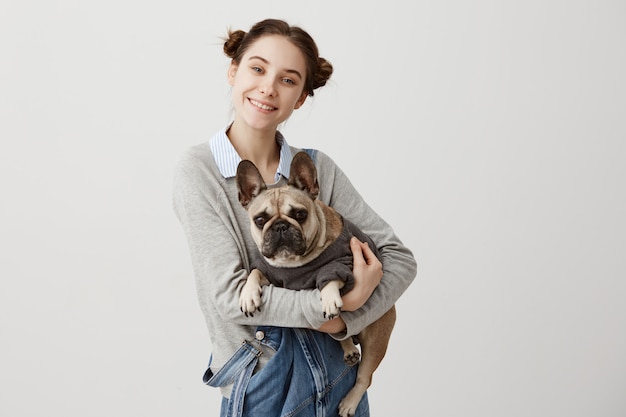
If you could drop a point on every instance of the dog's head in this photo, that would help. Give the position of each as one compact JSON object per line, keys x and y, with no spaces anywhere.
{"x":287,"y":223}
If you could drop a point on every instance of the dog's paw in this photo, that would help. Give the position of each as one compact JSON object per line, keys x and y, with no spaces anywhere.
{"x":346,"y":410}
{"x":250,"y":299}
{"x":348,"y":406}
{"x":331,"y":302}
{"x":351,"y":358}
{"x":331,"y":309}
{"x":351,"y":353}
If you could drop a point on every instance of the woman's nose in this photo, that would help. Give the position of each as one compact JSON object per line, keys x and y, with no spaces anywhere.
{"x":267,"y":87}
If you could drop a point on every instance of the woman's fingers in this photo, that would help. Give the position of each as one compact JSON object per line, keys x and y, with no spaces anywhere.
{"x":357,"y":251}
{"x":365,"y":258}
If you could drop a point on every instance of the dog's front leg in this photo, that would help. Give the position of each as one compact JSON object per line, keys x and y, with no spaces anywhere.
{"x":250,"y":297}
{"x":331,"y":299}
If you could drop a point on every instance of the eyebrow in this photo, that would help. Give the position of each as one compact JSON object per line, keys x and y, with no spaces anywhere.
{"x":291,"y":71}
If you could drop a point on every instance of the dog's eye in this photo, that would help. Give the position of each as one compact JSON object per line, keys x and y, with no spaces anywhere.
{"x":300,"y":215}
{"x":259,"y":221}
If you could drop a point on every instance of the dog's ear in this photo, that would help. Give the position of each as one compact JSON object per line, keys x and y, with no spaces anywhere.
{"x":249,"y":182}
{"x":303,"y":174}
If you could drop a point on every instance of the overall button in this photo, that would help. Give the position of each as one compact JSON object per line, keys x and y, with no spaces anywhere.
{"x":259,"y":335}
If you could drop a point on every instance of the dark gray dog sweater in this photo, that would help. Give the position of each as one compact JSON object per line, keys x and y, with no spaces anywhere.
{"x":335,"y":263}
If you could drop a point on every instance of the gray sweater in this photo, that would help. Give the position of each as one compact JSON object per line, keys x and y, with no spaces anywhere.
{"x":221,"y":248}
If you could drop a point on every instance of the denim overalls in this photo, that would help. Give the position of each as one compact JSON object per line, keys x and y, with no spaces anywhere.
{"x":306,"y":377}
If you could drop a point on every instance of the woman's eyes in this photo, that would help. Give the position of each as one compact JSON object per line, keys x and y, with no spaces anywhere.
{"x":260,"y":70}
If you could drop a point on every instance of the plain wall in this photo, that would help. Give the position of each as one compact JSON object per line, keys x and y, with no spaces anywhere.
{"x":491,"y":135}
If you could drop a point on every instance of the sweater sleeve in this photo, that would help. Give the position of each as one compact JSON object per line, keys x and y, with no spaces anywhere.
{"x":219,"y":258}
{"x":399,"y":265}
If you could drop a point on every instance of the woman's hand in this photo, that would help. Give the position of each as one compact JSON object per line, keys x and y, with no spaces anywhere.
{"x":367,"y":271}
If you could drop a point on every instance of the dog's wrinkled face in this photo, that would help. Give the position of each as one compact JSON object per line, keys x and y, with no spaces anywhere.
{"x":286,"y":222}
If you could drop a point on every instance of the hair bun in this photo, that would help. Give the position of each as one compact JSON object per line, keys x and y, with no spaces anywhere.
{"x":232,"y":42}
{"x":324,"y":71}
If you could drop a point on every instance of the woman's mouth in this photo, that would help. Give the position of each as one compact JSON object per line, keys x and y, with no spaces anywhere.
{"x":261,"y":105}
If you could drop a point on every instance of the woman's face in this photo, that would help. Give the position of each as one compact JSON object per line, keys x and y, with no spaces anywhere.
{"x":268,"y":84}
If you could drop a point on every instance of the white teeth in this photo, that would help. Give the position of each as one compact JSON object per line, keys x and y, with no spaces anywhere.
{"x":261,"y":105}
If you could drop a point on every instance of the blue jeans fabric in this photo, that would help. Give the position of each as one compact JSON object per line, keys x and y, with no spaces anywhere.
{"x":306,"y":377}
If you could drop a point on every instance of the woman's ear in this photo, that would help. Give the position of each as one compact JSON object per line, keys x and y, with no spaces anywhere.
{"x":232,"y":70}
{"x":301,"y":100}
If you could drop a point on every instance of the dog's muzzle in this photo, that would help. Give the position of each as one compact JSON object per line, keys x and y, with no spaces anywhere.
{"x":283,"y":239}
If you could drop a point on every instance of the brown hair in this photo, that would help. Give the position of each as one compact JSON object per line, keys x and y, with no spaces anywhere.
{"x":318,"y":69}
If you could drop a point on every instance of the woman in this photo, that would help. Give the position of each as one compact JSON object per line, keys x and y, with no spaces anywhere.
{"x":281,"y":367}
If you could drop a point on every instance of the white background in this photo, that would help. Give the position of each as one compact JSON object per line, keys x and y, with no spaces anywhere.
{"x":491,"y":135}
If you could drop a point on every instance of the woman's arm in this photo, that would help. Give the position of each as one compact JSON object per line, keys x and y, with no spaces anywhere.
{"x":399,"y":265}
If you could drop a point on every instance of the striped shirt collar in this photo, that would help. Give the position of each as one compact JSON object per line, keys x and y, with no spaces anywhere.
{"x":227,"y":158}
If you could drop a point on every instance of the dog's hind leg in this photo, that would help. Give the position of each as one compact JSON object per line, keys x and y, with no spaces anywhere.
{"x":374,"y":340}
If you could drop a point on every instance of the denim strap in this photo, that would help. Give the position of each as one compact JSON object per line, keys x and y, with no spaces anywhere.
{"x":238,"y":371}
{"x":246,"y":356}
{"x":317,"y":365}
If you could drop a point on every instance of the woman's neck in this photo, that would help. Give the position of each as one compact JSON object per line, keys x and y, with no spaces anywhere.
{"x":258,"y":146}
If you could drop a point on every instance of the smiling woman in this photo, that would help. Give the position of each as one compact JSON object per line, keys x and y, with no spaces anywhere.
{"x":282,"y":368}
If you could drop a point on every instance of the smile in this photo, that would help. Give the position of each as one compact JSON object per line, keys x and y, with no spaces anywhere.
{"x":261,"y":105}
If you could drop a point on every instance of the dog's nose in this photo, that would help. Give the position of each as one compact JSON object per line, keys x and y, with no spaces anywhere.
{"x":280,"y":227}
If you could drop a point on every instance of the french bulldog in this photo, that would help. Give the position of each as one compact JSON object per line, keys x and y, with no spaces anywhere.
{"x":304,"y":244}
